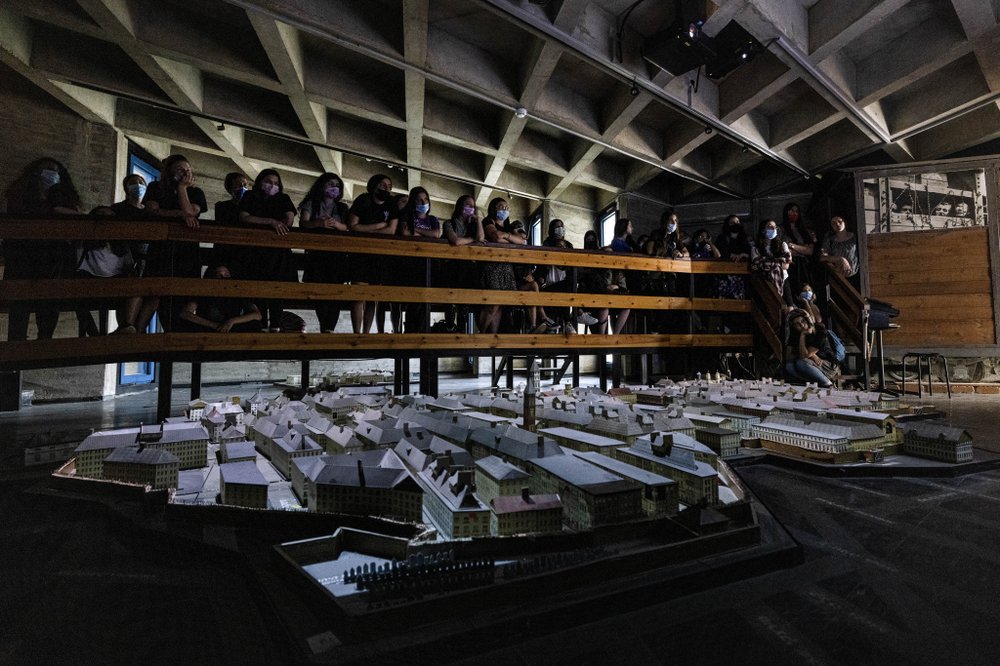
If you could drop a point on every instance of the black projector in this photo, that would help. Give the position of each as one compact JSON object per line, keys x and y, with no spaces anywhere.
{"x":679,"y":50}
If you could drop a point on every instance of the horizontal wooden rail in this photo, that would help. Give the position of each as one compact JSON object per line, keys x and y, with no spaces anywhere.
{"x":425,"y":248}
{"x":111,"y":288}
{"x":207,"y":347}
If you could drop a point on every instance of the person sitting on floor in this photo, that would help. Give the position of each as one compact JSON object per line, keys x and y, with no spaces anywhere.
{"x":808,"y":349}
{"x":221,"y":313}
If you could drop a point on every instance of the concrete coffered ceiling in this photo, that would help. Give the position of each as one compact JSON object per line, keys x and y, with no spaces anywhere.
{"x":431,"y":87}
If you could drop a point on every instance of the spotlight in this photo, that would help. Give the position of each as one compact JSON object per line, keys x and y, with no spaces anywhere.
{"x":520,"y":112}
{"x":708,"y":129}
{"x":635,"y":88}
{"x":221,"y":127}
{"x":746,"y":148}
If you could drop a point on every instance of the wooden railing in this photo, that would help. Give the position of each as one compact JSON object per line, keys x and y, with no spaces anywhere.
{"x":213,"y":346}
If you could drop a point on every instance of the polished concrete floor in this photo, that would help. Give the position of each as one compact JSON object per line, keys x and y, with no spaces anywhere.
{"x":894,"y":571}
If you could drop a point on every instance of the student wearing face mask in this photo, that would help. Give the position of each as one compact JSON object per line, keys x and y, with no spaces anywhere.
{"x":497,"y":275}
{"x":373,"y":212}
{"x":227,"y":213}
{"x":267,"y":206}
{"x":771,"y":257}
{"x":322,"y":211}
{"x":556,"y":279}
{"x":733,"y":245}
{"x":462,"y":228}
{"x":110,"y":259}
{"x":44,"y":188}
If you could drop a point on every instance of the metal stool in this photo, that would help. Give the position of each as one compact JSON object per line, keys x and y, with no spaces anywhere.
{"x":922,"y":358}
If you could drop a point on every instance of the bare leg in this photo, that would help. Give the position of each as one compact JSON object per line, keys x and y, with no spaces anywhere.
{"x":621,"y":320}
{"x":357,"y":315}
{"x":369,"y":314}
{"x":149,"y":306}
{"x":601,"y":327}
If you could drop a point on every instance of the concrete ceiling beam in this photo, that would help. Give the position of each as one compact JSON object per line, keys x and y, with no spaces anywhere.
{"x":537,"y":72}
{"x":16,"y":38}
{"x":833,"y":24}
{"x":181,"y":82}
{"x":415,"y":29}
{"x":982,"y":124}
{"x":283,"y":47}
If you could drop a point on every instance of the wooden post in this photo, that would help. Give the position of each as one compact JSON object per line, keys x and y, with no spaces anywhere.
{"x":195,"y":380}
{"x":164,"y":389}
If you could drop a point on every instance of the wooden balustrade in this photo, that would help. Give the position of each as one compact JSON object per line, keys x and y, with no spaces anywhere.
{"x":197,"y":347}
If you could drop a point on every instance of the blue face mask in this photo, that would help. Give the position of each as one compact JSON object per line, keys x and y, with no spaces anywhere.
{"x":806,"y":295}
{"x":671,"y":228}
{"x":422,"y":208}
{"x":138,"y":190}
{"x":48,"y":178}
{"x":771,"y":234}
{"x":502,"y":215}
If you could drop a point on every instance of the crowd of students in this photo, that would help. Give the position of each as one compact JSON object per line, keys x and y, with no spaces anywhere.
{"x":787,"y":254}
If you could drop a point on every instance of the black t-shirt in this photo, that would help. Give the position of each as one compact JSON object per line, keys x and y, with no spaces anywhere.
{"x":273,"y":208}
{"x":128,"y":211}
{"x":166,"y":196}
{"x":370,"y":211}
{"x":222,"y":309}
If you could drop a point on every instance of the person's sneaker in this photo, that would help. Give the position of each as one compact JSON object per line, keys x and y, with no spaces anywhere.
{"x":586,"y":319}
{"x":569,"y":329}
{"x":541,"y":328}
{"x":127,"y":329}
{"x":328,"y":330}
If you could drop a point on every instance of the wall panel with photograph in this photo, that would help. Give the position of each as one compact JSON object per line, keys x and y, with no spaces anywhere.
{"x":925,"y":201}
{"x":930,"y":250}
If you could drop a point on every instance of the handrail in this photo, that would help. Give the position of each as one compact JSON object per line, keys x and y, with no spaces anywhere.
{"x":89,"y":228}
{"x":208,"y":346}
{"x":92,"y":290}
{"x":244,"y":346}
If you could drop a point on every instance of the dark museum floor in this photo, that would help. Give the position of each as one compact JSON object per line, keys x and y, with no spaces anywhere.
{"x":894,"y":571}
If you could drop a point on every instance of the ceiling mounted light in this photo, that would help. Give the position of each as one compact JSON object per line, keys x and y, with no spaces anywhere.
{"x":635,"y":88}
{"x":521,"y":112}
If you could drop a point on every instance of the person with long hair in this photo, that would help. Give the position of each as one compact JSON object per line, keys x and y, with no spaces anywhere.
{"x":733,"y":245}
{"x":606,"y":281}
{"x":493,"y":274}
{"x":172,"y":196}
{"x":771,"y":257}
{"x":801,"y":242}
{"x":839,"y":251}
{"x":44,"y":188}
{"x":322,"y":211}
{"x":417,"y":220}
{"x":267,"y":206}
{"x":462,"y":228}
{"x":373,"y":212}
{"x":555,"y":279}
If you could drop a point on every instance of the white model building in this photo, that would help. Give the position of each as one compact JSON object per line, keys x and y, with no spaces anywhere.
{"x":494,"y":478}
{"x":291,"y":446}
{"x":242,"y":484}
{"x":591,"y":495}
{"x":659,"y":493}
{"x":697,"y":481}
{"x":936,"y":441}
{"x":525,"y":514}
{"x":155,"y":468}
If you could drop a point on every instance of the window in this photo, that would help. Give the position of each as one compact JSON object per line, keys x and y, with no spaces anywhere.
{"x":606,"y":221}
